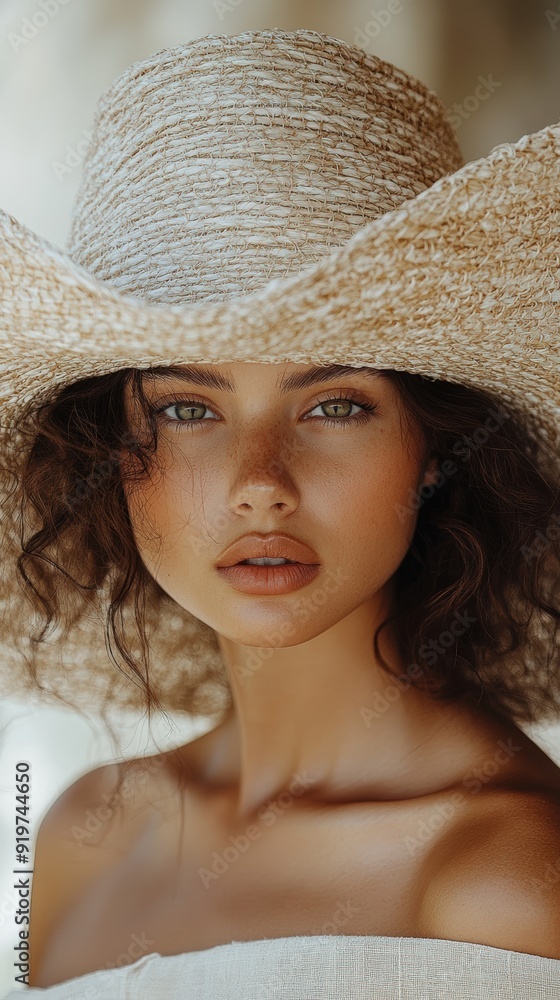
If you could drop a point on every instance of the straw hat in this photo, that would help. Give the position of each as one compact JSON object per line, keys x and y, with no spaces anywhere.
{"x":282,"y":197}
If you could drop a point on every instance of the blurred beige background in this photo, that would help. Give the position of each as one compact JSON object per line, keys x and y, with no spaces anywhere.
{"x":57,"y":56}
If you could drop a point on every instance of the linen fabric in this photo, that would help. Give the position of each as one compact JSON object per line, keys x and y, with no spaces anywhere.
{"x":322,"y":967}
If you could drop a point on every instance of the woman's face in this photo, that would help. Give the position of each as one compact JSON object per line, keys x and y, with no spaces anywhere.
{"x":332,"y":463}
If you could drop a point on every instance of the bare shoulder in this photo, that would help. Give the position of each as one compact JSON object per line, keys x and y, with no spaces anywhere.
{"x":496,"y":878}
{"x":86,"y":829}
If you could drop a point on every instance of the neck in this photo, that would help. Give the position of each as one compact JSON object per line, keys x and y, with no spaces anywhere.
{"x":323,"y":721}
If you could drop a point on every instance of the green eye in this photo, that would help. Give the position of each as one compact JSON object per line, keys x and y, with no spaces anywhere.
{"x":192,"y":412}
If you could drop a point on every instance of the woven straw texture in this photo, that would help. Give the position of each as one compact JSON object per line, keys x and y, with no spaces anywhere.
{"x":325,"y":967}
{"x":281,"y":197}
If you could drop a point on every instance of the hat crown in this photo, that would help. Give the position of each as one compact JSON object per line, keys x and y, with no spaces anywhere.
{"x":222,"y":163}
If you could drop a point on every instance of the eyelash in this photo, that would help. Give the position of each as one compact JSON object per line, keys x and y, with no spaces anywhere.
{"x":368,"y":409}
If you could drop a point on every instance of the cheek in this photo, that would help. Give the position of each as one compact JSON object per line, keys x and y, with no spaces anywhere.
{"x":376,"y":514}
{"x":173,"y":513}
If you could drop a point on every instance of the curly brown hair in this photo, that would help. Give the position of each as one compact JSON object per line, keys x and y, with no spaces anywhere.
{"x":485,"y":553}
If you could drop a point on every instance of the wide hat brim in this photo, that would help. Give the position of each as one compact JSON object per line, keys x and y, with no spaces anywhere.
{"x":461,"y":283}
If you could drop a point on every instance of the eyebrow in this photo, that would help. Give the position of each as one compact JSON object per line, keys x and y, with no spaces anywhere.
{"x":201,"y":375}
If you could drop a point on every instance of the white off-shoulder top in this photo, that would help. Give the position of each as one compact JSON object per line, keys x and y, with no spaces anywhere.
{"x":321,"y":967}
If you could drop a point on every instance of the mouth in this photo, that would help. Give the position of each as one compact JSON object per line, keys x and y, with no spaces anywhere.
{"x":272,"y":577}
{"x":270,"y":551}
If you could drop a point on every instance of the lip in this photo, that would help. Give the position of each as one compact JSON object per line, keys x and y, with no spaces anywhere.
{"x":272,"y":546}
{"x":269,"y":579}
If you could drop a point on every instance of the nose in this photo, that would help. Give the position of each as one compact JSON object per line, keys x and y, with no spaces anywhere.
{"x":262,"y":481}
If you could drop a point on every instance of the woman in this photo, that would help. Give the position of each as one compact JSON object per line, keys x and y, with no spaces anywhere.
{"x":353,"y":805}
